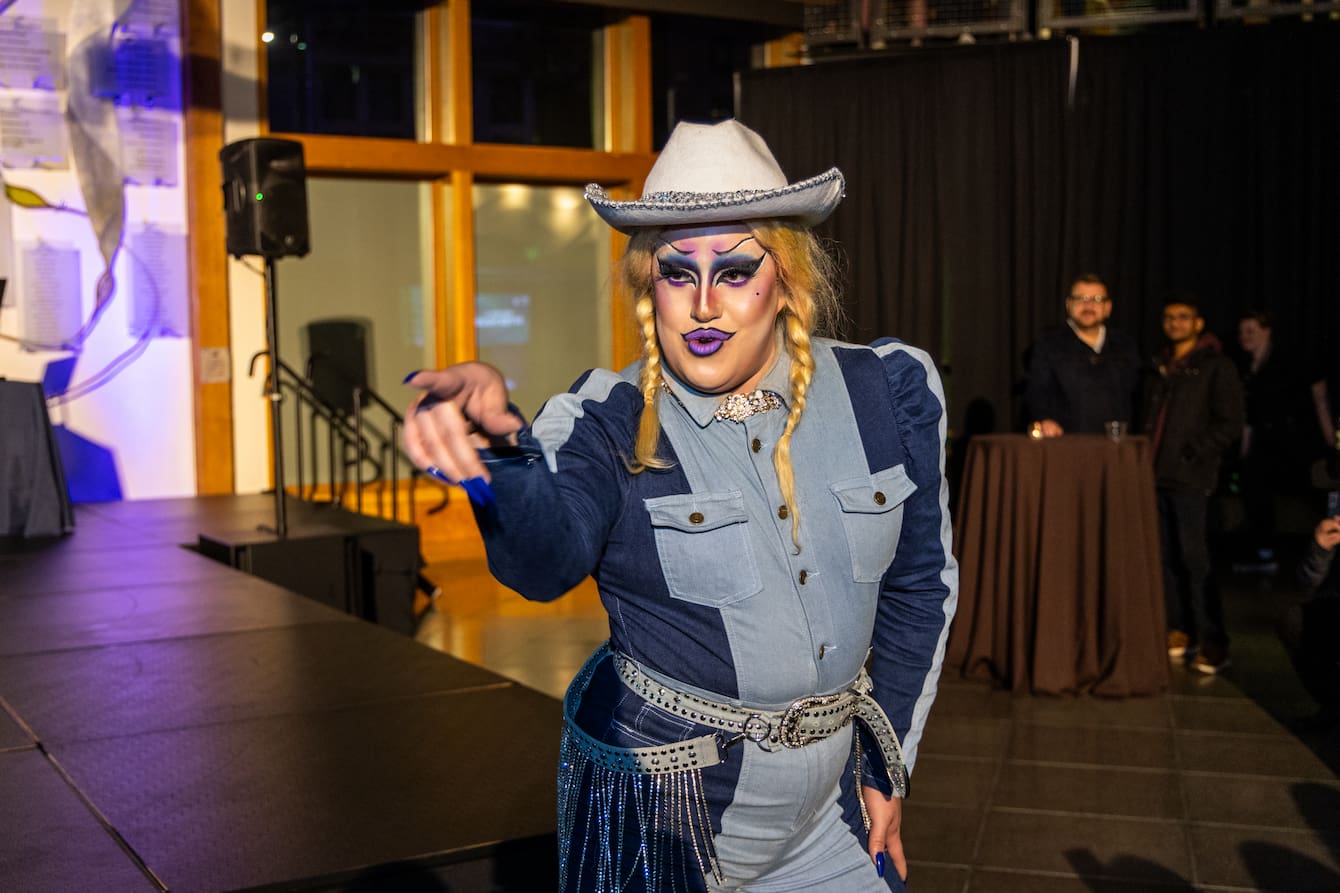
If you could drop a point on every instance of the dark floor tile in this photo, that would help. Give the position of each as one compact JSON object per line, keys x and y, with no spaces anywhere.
{"x":1297,"y":805}
{"x":1250,"y":755}
{"x":942,"y":834}
{"x":1182,"y":681}
{"x":972,"y":699}
{"x":1107,"y":790}
{"x":1024,"y":882}
{"x":1148,"y":748}
{"x":1101,"y":847}
{"x":954,"y":781}
{"x":961,"y":736}
{"x":936,"y":878}
{"x":1223,"y":715}
{"x":1297,"y":861}
{"x":1083,"y":710}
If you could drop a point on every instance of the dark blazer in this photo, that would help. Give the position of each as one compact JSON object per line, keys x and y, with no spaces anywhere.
{"x":1080,"y":389}
{"x":1193,"y":411}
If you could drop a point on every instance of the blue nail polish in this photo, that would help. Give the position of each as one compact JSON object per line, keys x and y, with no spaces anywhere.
{"x":879,"y":864}
{"x":478,"y":490}
{"x":411,"y":375}
{"x":428,"y":402}
{"x":436,"y":472}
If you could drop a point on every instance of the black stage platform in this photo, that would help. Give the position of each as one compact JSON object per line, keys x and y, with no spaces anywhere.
{"x":171,"y":723}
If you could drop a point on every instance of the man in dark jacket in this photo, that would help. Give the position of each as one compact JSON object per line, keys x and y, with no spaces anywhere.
{"x":1083,"y":374}
{"x":1194,"y":412}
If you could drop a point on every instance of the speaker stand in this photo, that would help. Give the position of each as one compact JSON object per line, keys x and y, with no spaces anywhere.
{"x":276,"y":395}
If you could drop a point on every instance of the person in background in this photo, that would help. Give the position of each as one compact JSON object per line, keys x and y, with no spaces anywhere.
{"x":1310,"y":630}
{"x":1083,"y":374}
{"x":765,"y":515}
{"x":1275,"y":453}
{"x":1194,"y":411}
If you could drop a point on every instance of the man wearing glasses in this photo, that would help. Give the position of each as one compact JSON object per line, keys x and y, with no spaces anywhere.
{"x":1082,"y":375}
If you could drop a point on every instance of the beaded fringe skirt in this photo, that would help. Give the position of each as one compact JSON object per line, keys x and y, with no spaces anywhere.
{"x":620,"y":830}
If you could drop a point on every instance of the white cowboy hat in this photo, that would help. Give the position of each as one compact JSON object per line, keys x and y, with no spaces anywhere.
{"x":712,"y":173}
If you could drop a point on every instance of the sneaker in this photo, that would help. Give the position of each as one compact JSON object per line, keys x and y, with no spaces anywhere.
{"x":1178,"y":642}
{"x":1210,"y":660}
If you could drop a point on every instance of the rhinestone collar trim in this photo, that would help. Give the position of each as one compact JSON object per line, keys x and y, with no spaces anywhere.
{"x":738,"y":407}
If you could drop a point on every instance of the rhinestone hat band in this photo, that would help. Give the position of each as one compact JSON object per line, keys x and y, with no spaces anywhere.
{"x":738,"y":407}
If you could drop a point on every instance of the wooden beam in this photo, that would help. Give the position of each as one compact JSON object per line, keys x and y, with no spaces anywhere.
{"x":404,"y":159}
{"x":459,"y":124}
{"x":207,"y":257}
{"x":442,"y":283}
{"x":459,"y":320}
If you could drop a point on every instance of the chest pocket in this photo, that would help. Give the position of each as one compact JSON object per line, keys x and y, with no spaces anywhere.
{"x":702,"y":540}
{"x":872,"y":515}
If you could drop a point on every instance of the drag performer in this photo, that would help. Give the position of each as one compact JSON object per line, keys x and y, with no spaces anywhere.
{"x":765,"y":515}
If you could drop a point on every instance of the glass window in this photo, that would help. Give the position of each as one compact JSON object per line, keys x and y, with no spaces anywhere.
{"x":346,"y":67}
{"x":359,"y":307}
{"x":538,"y":73}
{"x":542,"y":305}
{"x":693,"y":65}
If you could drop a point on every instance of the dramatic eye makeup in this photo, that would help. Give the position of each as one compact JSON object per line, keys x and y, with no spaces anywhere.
{"x":731,"y":267}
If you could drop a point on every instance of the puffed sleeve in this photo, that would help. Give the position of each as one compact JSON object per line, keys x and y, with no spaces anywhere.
{"x":919,"y":591}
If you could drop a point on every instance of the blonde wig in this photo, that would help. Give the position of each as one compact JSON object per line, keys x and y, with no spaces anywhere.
{"x":810,"y":306}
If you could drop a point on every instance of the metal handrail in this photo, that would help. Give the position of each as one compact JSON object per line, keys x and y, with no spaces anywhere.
{"x":347,"y":433}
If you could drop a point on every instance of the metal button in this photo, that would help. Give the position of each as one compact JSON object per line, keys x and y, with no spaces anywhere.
{"x":756,"y":445}
{"x":782,"y":512}
{"x":822,"y":649}
{"x":696,"y":518}
{"x":879,"y":498}
{"x":804,"y":575}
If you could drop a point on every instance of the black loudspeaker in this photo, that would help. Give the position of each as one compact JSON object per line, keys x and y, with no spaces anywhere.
{"x":337,"y":361}
{"x":265,"y":198}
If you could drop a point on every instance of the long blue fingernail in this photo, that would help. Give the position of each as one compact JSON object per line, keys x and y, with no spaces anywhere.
{"x":436,"y":472}
{"x":411,"y":375}
{"x":478,"y":490}
{"x":879,"y":864}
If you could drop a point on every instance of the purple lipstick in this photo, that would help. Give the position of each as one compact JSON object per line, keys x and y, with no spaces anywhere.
{"x":705,"y":342}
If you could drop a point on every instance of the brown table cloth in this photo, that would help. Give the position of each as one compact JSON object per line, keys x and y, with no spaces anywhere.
{"x":1061,"y":589}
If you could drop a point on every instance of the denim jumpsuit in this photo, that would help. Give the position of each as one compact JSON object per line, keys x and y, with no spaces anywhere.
{"x":707,"y":592}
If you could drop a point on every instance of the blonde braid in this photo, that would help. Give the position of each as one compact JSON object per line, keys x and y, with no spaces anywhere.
{"x":797,"y":335}
{"x":649,"y":379}
{"x":636,"y":277}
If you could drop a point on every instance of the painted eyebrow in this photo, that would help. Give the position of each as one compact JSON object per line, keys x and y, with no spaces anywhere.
{"x":674,"y":247}
{"x":733,"y":247}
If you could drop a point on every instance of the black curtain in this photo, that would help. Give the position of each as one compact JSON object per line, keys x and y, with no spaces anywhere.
{"x":980,"y":180}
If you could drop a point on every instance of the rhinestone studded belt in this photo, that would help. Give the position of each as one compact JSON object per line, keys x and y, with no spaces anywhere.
{"x":806,"y":720}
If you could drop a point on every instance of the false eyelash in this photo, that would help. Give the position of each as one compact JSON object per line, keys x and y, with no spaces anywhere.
{"x":667,"y":270}
{"x":746,"y":269}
